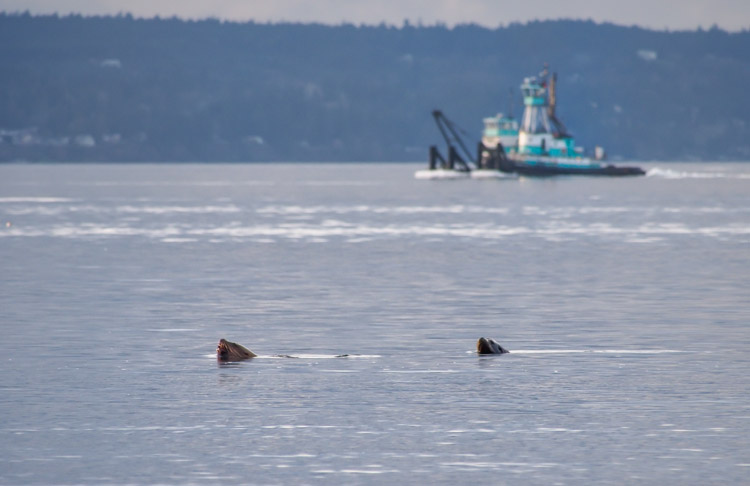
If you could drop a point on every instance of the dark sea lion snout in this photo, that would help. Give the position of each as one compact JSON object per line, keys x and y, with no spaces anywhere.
{"x":229,"y":351}
{"x":489,"y":346}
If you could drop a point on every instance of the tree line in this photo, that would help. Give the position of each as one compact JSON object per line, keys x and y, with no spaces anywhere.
{"x":117,"y":88}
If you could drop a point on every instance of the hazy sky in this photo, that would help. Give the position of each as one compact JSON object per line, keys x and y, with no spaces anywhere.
{"x":730,"y":15}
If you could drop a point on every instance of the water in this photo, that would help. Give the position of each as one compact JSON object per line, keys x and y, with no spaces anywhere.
{"x":624,"y":302}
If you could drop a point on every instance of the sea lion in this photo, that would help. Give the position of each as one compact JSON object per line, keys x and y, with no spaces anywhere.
{"x":489,"y":346}
{"x":228,"y":351}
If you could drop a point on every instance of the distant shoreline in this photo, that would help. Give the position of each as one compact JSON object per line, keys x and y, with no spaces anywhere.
{"x":117,"y":88}
{"x":382,"y":162}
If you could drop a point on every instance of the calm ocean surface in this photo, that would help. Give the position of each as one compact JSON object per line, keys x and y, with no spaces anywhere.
{"x":625,"y":304}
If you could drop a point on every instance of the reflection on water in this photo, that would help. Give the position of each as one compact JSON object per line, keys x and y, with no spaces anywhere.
{"x":623,"y":303}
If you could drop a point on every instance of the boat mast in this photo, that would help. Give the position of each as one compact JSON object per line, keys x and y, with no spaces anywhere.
{"x":560,"y":130}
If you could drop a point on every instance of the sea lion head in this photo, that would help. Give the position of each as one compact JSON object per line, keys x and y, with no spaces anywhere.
{"x":228,"y":351}
{"x":489,"y":346}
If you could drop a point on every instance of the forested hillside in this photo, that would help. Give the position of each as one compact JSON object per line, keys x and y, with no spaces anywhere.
{"x":124,"y":89}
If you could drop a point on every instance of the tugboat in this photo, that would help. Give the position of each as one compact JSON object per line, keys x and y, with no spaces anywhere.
{"x":541,"y":146}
